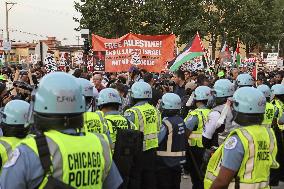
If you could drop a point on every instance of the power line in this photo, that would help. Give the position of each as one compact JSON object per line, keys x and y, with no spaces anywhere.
{"x":46,"y":10}
{"x":28,"y":33}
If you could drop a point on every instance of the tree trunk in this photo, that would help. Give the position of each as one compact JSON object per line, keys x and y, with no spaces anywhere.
{"x":213,"y":43}
{"x":247,"y":50}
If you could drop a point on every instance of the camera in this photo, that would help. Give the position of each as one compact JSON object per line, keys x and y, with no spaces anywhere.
{"x":23,"y":72}
{"x":164,"y":85}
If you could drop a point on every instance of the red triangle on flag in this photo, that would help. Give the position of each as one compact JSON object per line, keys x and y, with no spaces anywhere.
{"x":238,"y":47}
{"x":196,"y":45}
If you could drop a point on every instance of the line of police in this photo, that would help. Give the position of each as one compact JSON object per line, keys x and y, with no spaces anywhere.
{"x":74,"y":148}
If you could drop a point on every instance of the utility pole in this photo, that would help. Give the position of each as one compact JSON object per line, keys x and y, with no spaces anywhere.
{"x":7,"y":24}
{"x":78,"y":40}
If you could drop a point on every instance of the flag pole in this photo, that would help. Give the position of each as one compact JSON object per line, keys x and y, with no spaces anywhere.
{"x":237,"y":53}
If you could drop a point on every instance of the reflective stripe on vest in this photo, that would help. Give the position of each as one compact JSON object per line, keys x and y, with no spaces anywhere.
{"x":272,"y":147}
{"x":141,"y":128}
{"x":101,"y":116}
{"x":250,"y":161}
{"x":8,"y":144}
{"x":5,"y":154}
{"x":168,"y":151}
{"x":107,"y":154}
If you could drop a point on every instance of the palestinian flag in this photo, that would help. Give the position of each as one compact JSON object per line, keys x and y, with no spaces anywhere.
{"x":225,"y":47}
{"x":196,"y":49}
{"x":225,"y":55}
{"x":238,"y":56}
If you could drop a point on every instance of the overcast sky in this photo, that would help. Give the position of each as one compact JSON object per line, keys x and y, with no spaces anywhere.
{"x":41,"y":17}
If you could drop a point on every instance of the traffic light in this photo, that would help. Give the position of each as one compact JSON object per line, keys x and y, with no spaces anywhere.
{"x":86,"y":46}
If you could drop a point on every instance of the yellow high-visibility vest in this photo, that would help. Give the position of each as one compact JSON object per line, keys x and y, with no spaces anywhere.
{"x":260,"y":149}
{"x":7,"y":145}
{"x":95,"y":122}
{"x":195,"y":138}
{"x":79,"y":161}
{"x":148,"y":121}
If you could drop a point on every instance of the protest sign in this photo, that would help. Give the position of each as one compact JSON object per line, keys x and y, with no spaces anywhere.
{"x":33,"y":58}
{"x":2,"y":59}
{"x":99,"y":60}
{"x":148,"y":52}
{"x":79,"y":58}
{"x":90,"y":64}
{"x":50,"y":63}
{"x":193,"y":65}
{"x":63,"y":60}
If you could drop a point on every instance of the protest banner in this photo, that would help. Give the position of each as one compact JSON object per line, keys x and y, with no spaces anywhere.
{"x":148,"y":52}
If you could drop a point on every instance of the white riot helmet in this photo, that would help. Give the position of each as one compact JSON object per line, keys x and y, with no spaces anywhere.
{"x":171,"y":101}
{"x":14,"y":118}
{"x":108,"y":96}
{"x":88,"y":91}
{"x":87,"y":87}
{"x":141,"y":90}
{"x":58,"y":102}
{"x":265,"y":90}
{"x":15,"y":112}
{"x":244,"y":80}
{"x":202,"y":93}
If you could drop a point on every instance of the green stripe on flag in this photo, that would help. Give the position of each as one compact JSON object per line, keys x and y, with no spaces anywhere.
{"x":238,"y":59}
{"x":184,"y":59}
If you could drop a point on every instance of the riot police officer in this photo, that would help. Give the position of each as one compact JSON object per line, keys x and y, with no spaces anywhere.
{"x":244,"y":80}
{"x":109,"y":102}
{"x":93,"y":121}
{"x":245,"y":158}
{"x":269,"y":108}
{"x":278,"y":126}
{"x":14,"y":117}
{"x":148,"y":120}
{"x":172,"y":140}
{"x":223,"y":89}
{"x":194,"y":123}
{"x":61,"y":157}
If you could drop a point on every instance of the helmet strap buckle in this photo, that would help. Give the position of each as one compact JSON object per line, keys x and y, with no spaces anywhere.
{"x":66,"y":121}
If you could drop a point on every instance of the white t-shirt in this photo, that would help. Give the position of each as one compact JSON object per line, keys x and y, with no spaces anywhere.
{"x":211,"y":125}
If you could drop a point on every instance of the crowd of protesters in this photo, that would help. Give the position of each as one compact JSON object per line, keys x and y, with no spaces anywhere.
{"x":17,"y":83}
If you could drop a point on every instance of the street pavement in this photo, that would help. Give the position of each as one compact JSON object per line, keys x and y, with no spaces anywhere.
{"x":186,"y":184}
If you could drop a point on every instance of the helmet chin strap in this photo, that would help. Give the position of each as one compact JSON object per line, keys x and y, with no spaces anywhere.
{"x":18,"y":131}
{"x":58,"y":122}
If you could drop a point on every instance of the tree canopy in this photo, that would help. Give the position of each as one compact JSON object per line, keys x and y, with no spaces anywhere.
{"x":255,"y":22}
